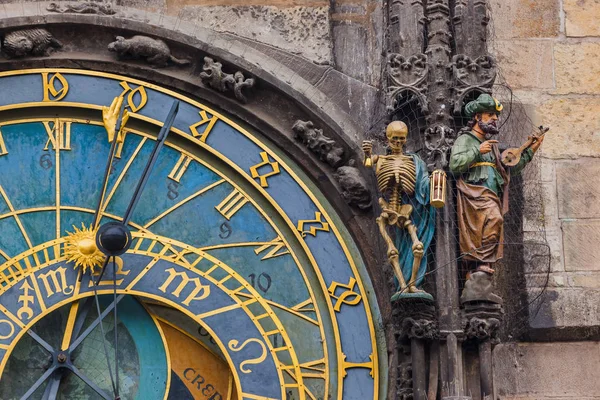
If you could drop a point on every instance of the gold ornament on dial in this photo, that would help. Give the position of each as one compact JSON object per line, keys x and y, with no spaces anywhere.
{"x":80,"y":248}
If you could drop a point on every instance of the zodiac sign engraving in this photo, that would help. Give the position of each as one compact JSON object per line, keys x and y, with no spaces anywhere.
{"x":233,"y":345}
{"x":26,"y":299}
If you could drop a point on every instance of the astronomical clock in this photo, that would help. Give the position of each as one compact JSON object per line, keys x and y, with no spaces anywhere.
{"x":238,"y":280}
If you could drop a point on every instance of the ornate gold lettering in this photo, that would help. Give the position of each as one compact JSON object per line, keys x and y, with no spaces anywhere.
{"x":265,"y":161}
{"x":231,"y":204}
{"x":131,"y":98}
{"x":343,"y":298}
{"x":205,"y":120}
{"x":3,"y":150}
{"x":12,"y":329}
{"x":109,"y":280}
{"x":51,"y":93}
{"x":59,"y":135}
{"x":233,"y":346}
{"x":313,"y":230}
{"x":25,"y":299}
{"x":205,"y":289}
{"x":58,"y":285}
{"x":180,"y":167}
{"x":276,"y":245}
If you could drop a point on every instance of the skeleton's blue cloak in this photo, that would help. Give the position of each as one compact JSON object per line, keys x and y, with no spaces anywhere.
{"x":423,"y":216}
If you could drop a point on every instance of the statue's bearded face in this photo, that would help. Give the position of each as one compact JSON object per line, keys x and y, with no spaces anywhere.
{"x":487,"y":121}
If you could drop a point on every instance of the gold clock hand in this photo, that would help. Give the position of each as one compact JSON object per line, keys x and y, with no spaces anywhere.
{"x":114,"y":118}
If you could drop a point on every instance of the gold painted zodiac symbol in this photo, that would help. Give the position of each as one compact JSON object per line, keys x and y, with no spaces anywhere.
{"x":25,"y":298}
{"x":11,"y":329}
{"x":349,"y":297}
{"x":51,"y":93}
{"x":233,"y":345}
{"x":131,"y":98}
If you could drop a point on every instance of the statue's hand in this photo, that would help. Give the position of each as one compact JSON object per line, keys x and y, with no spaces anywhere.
{"x":367,"y":147}
{"x":110,"y":115}
{"x":486,"y":146}
{"x":536,"y":145}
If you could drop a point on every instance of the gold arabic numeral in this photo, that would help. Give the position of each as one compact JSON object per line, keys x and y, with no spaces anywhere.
{"x":55,"y":86}
{"x":180,"y":167}
{"x":199,"y":292}
{"x":312,"y":230}
{"x":26,"y":299}
{"x":206,"y":120}
{"x":3,"y":150}
{"x":59,"y":135}
{"x":349,"y":296}
{"x":262,"y":177}
{"x":55,"y":281}
{"x":231,"y":204}
{"x":136,"y":98}
{"x":274,"y":248}
{"x":233,"y":346}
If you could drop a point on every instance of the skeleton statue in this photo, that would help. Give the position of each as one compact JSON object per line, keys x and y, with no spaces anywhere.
{"x":403,"y":184}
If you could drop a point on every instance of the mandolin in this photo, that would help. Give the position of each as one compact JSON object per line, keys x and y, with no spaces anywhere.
{"x":512,"y":156}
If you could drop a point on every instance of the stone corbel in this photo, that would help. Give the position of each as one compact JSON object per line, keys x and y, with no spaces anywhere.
{"x":212,"y":75}
{"x":355,"y":190}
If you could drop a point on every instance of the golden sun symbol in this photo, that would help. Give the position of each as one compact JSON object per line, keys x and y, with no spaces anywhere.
{"x":80,"y":247}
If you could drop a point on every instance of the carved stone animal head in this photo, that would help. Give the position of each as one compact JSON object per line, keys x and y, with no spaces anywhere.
{"x":120,"y":45}
{"x":18,"y":46}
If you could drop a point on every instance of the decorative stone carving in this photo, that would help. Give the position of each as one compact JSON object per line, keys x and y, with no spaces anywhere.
{"x":471,"y":75}
{"x":83,"y":8}
{"x":419,"y":328}
{"x":438,"y":142}
{"x":154,"y":51}
{"x":212,"y":74}
{"x":479,"y":287}
{"x":325,"y":148}
{"x":353,"y":186}
{"x":407,"y":74}
{"x":482,"y":321}
{"x":29,"y":42}
{"x":416,"y":319}
{"x":405,"y":382}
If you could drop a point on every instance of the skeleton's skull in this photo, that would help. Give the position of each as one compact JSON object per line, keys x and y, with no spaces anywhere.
{"x":396,"y":133}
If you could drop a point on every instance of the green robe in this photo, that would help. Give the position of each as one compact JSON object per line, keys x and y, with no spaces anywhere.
{"x":465,"y":152}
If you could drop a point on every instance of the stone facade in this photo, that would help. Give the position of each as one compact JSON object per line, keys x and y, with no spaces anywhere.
{"x":327,"y":56}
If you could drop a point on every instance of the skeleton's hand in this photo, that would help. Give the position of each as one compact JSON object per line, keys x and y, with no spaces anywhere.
{"x":367,"y":147}
{"x":486,"y":146}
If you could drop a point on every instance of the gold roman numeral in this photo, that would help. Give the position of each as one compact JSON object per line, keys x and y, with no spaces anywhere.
{"x":231,"y":204}
{"x":206,"y":120}
{"x":180,"y":167}
{"x":3,"y":150}
{"x":273,"y":249}
{"x":59,"y":135}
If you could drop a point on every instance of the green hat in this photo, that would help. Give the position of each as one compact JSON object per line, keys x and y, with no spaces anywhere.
{"x":484,"y":103}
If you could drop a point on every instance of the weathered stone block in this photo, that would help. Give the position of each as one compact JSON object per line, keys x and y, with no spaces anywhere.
{"x":578,"y":196}
{"x":528,"y":371}
{"x":525,"y":63}
{"x":589,"y":280}
{"x":581,"y":239}
{"x":577,"y":67}
{"x":297,"y":29}
{"x":565,"y":308}
{"x":575,"y":128}
{"x":582,"y":17}
{"x":525,"y":18}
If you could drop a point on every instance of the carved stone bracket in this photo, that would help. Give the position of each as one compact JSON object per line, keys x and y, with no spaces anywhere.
{"x":407,"y":74}
{"x":471,"y":75}
{"x":482,"y":321}
{"x":355,"y":190}
{"x":416,"y":319}
{"x":212,"y":74}
{"x":438,"y":143}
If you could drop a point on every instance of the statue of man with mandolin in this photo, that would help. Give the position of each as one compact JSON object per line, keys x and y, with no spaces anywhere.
{"x":483,"y":175}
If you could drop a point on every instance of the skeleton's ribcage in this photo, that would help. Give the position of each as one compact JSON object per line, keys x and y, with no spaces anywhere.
{"x":397,"y":172}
